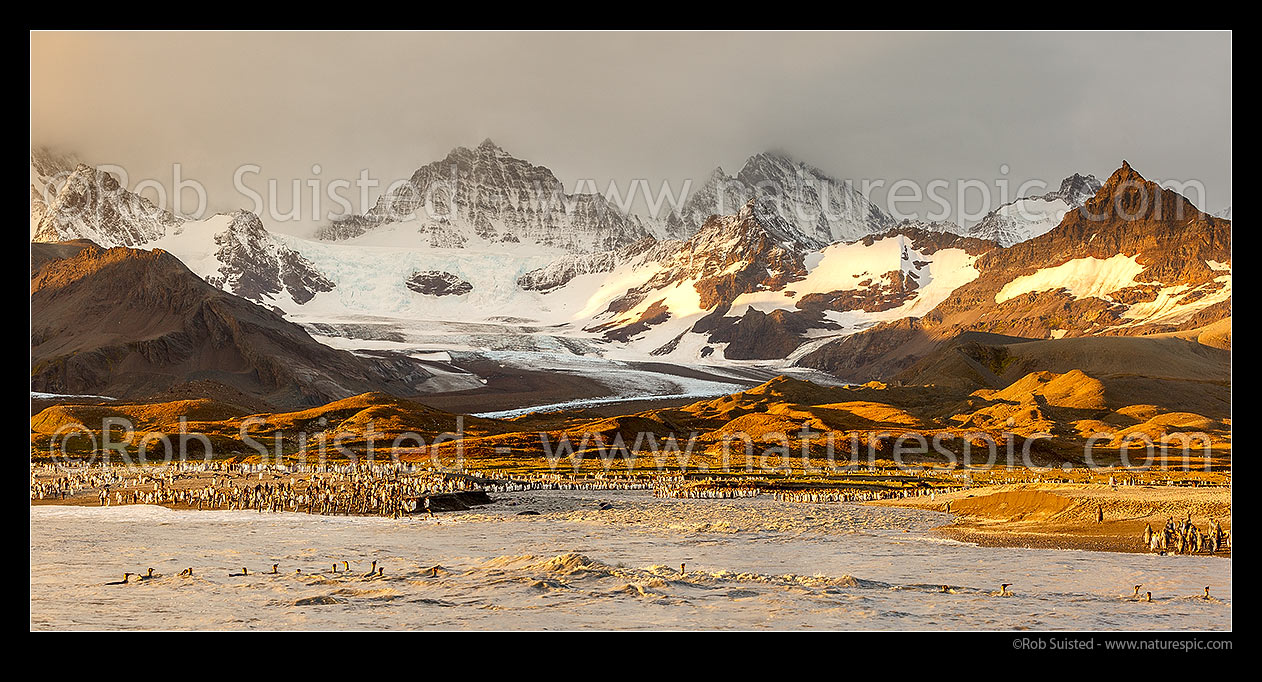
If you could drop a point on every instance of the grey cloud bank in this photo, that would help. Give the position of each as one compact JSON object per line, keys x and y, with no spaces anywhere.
{"x":622,"y":106}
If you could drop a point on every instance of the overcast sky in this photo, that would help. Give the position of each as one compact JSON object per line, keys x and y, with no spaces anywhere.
{"x":620,"y":106}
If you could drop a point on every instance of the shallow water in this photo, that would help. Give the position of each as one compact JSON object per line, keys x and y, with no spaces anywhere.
{"x":750,"y":563}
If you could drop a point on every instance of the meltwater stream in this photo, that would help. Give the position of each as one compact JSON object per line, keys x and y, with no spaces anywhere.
{"x":748,"y":564}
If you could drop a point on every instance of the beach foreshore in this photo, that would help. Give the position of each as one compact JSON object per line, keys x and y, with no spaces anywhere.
{"x":1046,"y":515}
{"x":1067,"y":516}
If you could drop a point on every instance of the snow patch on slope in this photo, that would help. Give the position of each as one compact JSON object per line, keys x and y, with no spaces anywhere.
{"x":193,"y":242}
{"x":1174,"y":304}
{"x":843,"y":267}
{"x":1100,"y":277}
{"x":1081,"y":277}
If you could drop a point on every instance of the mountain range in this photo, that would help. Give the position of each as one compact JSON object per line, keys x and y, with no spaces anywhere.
{"x":232,"y":251}
{"x":777,"y":265}
{"x":1136,"y":260}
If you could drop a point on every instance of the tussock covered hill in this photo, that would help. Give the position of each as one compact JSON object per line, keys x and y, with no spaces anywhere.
{"x":1070,"y":406}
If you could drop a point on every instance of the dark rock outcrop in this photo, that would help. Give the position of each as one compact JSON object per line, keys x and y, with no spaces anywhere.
{"x":254,"y":266}
{"x":438,"y":283}
{"x":761,"y":336}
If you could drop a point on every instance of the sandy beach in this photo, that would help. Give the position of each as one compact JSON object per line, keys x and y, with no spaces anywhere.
{"x":1030,"y":515}
{"x":604,"y":559}
{"x":1064,"y":516}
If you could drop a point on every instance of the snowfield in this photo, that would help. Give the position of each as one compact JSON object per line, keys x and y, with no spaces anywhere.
{"x":1025,"y":219}
{"x":371,"y":308}
{"x":1081,"y":277}
{"x":1174,"y":304}
{"x":843,"y":267}
{"x":193,"y":242}
{"x":1099,"y":278}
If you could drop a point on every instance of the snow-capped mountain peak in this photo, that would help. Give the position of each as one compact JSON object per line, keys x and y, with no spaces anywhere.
{"x":819,"y":209}
{"x":1029,"y":217}
{"x":672,"y":288}
{"x":485,"y":196}
{"x":234,"y":252}
{"x":90,"y":204}
{"x":48,"y":171}
{"x":1076,"y":189}
{"x":253,"y":265}
{"x":489,"y":145}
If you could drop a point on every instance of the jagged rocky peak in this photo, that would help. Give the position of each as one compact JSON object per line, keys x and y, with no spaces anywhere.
{"x":1077,"y":188}
{"x":489,"y":145}
{"x":753,"y":238}
{"x":775,"y":166}
{"x":757,"y":225}
{"x":91,"y":204}
{"x":729,"y":256}
{"x":1134,"y":260}
{"x":944,"y":226}
{"x":241,"y":256}
{"x":48,"y":171}
{"x":254,"y":265}
{"x":818,"y":208}
{"x":1127,"y":197}
{"x":245,"y":223}
{"x":1124,"y":175}
{"x":485,"y":195}
{"x":756,"y":236}
{"x":1150,"y":262}
{"x":1028,"y":217}
{"x":48,"y":163}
